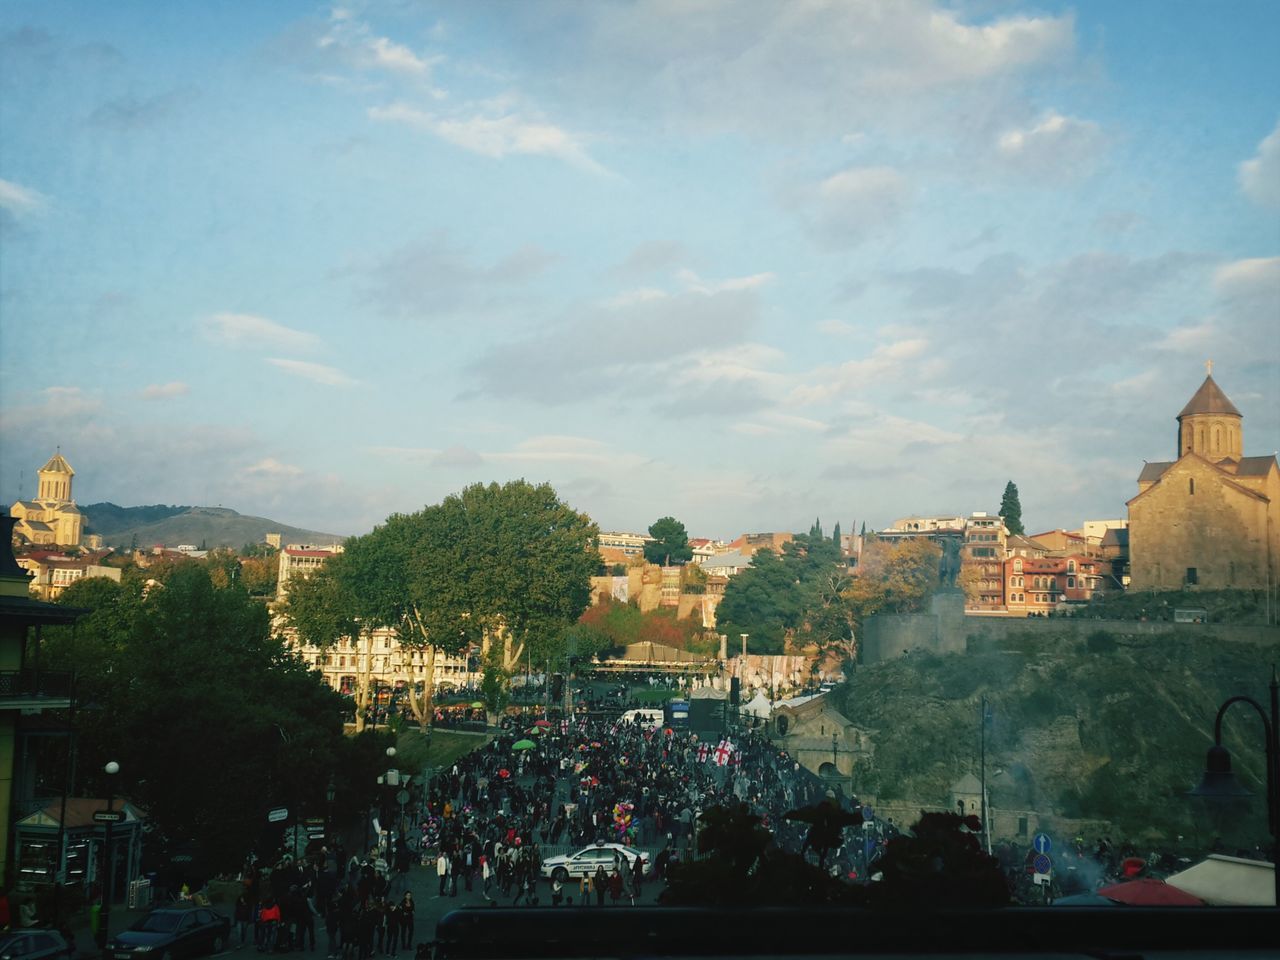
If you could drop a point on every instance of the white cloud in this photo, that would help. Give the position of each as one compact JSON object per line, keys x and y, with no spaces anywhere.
{"x":53,"y":404}
{"x":166,"y":391}
{"x":316,"y":372}
{"x":693,"y":282}
{"x":889,"y":364}
{"x":271,"y":467}
{"x":754,"y":67}
{"x":492,"y":130}
{"x":1246,"y":277}
{"x":854,"y":205}
{"x":1054,"y":147}
{"x":354,"y":43}
{"x":247,"y":330}
{"x":19,"y":200}
{"x":1260,"y":175}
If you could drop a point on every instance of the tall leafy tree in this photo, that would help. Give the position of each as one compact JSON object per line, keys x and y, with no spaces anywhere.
{"x":894,"y":578}
{"x":1011,"y":509}
{"x":835,"y":535}
{"x":212,"y":720}
{"x":506,"y":566}
{"x":670,"y":543}
{"x":798,"y":593}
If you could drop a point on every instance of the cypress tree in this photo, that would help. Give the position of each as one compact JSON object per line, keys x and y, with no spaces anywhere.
{"x":1011,"y":509}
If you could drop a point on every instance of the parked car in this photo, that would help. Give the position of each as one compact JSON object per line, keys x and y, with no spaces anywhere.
{"x":34,"y":944}
{"x":586,"y":860}
{"x":172,"y":933}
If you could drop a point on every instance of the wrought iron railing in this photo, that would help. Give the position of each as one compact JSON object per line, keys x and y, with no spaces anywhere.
{"x":35,"y":684}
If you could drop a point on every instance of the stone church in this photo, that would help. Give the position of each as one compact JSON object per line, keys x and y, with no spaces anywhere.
{"x":1210,"y":518}
{"x":52,"y":518}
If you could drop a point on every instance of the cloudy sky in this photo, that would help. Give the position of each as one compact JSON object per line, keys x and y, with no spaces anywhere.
{"x":742,"y":263}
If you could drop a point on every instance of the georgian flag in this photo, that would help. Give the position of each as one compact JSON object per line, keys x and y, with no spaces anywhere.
{"x":703,"y":751}
{"x":723,"y":752}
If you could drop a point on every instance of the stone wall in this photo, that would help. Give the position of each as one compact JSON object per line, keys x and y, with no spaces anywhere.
{"x":887,"y":636}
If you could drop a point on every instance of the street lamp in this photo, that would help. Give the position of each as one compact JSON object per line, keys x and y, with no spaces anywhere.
{"x":329,"y":793}
{"x":1219,"y":783}
{"x":104,"y":917}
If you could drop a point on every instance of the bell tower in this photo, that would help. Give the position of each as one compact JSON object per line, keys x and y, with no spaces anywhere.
{"x":1209,"y":424}
{"x":55,"y":480}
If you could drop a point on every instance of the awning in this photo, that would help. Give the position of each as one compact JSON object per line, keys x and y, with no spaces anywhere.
{"x":1229,"y":882}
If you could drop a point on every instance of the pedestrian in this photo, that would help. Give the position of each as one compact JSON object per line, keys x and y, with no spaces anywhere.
{"x":391,"y":923}
{"x":601,"y":883}
{"x":586,"y":889}
{"x":268,"y":925}
{"x":442,"y":871}
{"x":615,"y":886}
{"x":406,"y":920}
{"x":243,"y":915}
{"x":557,"y":892}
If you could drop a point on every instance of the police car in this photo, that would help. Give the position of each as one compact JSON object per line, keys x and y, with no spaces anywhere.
{"x":585,"y":862}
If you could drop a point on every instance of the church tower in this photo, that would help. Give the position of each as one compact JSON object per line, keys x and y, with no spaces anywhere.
{"x":1210,"y":425}
{"x":55,"y":480}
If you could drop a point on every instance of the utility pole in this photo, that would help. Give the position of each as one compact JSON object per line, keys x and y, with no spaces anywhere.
{"x":986,"y":828}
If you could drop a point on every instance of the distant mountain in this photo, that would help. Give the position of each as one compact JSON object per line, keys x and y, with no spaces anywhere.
{"x":171,"y":526}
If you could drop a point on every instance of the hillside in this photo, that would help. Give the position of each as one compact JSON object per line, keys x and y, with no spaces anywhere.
{"x":1112,"y":728}
{"x":211,"y":526}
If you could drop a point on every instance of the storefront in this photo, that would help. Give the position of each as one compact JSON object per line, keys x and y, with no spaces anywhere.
{"x":83,"y":840}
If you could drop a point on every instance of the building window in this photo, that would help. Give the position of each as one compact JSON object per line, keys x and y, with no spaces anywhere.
{"x":1017,"y":566}
{"x":1193,"y":577}
{"x":1192,"y":485}
{"x":1022,"y":826}
{"x":1071,"y":583}
{"x":1071,"y":566}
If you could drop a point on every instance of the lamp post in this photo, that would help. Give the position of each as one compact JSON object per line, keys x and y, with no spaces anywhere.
{"x":392,"y":779}
{"x":329,"y":793}
{"x":104,"y":918}
{"x":1219,"y":783}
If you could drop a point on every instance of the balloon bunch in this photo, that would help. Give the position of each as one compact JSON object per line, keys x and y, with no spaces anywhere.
{"x":622,"y":817}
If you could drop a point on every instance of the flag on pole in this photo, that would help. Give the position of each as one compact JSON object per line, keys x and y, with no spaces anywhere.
{"x":723,"y":752}
{"x":703,"y":751}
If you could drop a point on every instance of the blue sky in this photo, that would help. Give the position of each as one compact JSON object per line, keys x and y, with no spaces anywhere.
{"x":741,"y":263}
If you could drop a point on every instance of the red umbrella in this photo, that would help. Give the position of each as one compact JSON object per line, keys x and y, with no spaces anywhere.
{"x":542,"y":723}
{"x":1149,"y":892}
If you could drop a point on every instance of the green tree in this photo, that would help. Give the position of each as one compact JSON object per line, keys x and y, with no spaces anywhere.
{"x":670,"y":543}
{"x":1011,"y":509}
{"x":835,"y":535}
{"x":506,"y":566}
{"x":799,"y":594}
{"x":211,"y":719}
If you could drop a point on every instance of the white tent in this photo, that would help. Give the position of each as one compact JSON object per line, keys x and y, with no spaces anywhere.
{"x":1229,"y":882}
{"x":758,"y":707}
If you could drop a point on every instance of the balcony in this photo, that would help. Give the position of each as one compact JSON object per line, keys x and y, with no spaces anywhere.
{"x":35,"y":690}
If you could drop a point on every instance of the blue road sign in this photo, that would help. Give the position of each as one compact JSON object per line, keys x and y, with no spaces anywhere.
{"x":1042,"y":843}
{"x":1042,"y":863}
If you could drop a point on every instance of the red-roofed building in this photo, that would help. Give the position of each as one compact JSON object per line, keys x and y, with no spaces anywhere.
{"x":1036,"y":585}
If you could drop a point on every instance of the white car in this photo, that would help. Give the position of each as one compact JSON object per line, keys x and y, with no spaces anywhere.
{"x":585,"y":861}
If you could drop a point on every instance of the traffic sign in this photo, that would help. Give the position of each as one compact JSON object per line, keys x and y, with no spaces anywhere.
{"x":108,"y":816}
{"x":278,"y":815}
{"x":1042,"y":843}
{"x":1042,"y":863}
{"x":402,"y":797}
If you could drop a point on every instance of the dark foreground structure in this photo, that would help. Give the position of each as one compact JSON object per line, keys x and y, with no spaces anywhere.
{"x":1063,"y":932}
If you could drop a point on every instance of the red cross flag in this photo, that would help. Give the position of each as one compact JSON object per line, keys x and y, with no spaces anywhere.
{"x":723,"y":752}
{"x":702,"y":753}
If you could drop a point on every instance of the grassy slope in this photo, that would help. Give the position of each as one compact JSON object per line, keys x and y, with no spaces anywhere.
{"x":213,"y":526}
{"x":1098,"y":729}
{"x":446,"y":747}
